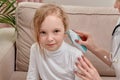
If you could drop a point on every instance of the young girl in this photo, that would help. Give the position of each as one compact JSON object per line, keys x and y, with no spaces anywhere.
{"x":50,"y":57}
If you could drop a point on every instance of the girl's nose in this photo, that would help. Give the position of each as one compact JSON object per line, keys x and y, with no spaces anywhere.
{"x":50,"y":37}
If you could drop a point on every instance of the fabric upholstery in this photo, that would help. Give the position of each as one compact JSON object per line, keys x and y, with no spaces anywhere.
{"x":7,"y":38}
{"x":98,"y":21}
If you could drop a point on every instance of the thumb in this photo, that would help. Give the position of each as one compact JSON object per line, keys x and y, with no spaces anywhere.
{"x":81,"y":42}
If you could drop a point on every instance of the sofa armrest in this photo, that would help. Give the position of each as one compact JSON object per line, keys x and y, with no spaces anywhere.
{"x":7,"y":40}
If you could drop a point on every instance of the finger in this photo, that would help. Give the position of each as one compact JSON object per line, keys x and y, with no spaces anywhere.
{"x":88,"y":62}
{"x":82,"y":69}
{"x":83,"y":63}
{"x":80,"y":33}
{"x":85,"y":68}
{"x":81,"y":42}
{"x":80,"y":75}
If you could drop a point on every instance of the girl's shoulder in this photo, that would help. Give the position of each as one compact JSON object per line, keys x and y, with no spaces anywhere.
{"x":34,"y":46}
{"x":73,"y":50}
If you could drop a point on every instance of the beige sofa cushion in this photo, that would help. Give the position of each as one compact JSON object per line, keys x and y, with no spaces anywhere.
{"x":98,"y":21}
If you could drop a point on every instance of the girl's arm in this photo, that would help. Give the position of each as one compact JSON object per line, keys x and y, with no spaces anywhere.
{"x":32,"y":70}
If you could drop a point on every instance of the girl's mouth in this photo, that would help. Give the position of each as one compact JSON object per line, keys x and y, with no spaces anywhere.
{"x":50,"y":44}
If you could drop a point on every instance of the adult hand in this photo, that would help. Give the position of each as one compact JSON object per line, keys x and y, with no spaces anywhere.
{"x":87,"y":40}
{"x":87,"y":70}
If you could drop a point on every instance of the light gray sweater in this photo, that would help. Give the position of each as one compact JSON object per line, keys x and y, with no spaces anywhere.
{"x":57,"y":65}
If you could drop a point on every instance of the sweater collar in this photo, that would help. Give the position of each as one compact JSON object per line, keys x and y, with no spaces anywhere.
{"x":58,"y":51}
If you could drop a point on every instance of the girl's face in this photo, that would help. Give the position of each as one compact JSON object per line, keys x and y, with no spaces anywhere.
{"x":117,"y":5}
{"x":52,"y":33}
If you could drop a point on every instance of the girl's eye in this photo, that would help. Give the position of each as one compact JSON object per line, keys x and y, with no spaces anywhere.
{"x":42,"y":32}
{"x":56,"y":31}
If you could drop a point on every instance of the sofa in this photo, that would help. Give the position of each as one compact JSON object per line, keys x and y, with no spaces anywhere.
{"x":15,"y":45}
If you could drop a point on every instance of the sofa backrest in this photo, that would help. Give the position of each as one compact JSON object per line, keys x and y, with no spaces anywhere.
{"x":98,"y":21}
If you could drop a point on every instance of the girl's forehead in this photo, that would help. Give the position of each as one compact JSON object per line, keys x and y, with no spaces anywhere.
{"x":52,"y":27}
{"x":51,"y":21}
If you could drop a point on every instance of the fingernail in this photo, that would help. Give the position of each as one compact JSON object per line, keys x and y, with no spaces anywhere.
{"x":75,"y":71}
{"x":76,"y":63}
{"x":78,"y":59}
{"x":76,"y":40}
{"x":82,"y":56}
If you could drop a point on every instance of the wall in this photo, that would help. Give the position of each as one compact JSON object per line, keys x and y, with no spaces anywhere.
{"x":97,"y":3}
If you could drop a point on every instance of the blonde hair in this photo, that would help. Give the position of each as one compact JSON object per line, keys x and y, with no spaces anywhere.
{"x":45,"y":10}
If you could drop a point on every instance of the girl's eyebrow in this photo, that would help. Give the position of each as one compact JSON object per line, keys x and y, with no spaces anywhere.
{"x":57,"y":28}
{"x":42,"y":29}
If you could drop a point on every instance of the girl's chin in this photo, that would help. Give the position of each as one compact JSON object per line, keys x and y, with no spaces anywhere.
{"x":52,"y":48}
